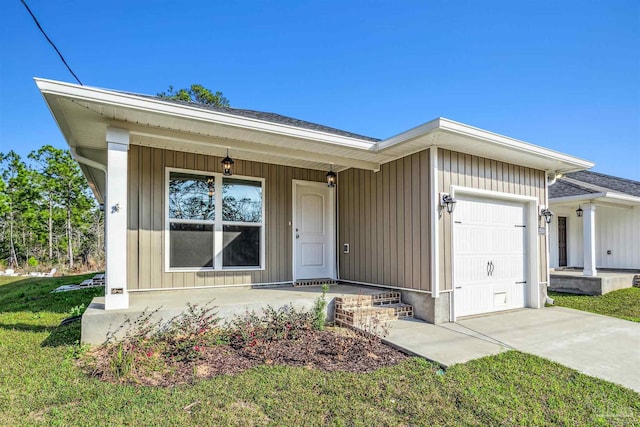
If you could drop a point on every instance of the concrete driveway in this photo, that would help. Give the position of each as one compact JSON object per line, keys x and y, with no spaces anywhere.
{"x":600,"y":346}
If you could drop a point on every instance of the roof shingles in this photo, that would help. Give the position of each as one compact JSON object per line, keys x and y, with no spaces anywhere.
{"x":571,"y":186}
{"x":267,"y":117}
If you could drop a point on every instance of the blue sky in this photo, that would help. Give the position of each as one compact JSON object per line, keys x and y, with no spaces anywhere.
{"x":561,"y":74}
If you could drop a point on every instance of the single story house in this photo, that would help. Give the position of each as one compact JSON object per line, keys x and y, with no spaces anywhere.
{"x":596,"y":223}
{"x":451,"y":215}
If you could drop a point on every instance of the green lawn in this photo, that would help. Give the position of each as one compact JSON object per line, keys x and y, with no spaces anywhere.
{"x":40,"y":385}
{"x":624,"y":303}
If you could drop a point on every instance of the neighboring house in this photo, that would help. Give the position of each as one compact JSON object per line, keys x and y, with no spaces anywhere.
{"x":174,"y":220}
{"x":607,"y":232}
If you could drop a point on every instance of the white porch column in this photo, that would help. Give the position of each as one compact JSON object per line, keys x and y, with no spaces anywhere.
{"x":589,"y":239}
{"x":115,"y":212}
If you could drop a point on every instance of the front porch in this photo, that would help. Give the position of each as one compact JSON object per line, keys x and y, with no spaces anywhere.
{"x":230,"y":301}
{"x":573,"y":280}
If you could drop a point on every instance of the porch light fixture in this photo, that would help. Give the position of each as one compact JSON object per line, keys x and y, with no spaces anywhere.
{"x":227,"y":163}
{"x":331,"y":178}
{"x":579,"y":211}
{"x":547,"y":214}
{"x":448,"y":202}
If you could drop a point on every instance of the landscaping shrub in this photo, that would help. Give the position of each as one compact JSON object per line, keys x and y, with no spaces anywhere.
{"x":284,"y":323}
{"x":319,"y":309}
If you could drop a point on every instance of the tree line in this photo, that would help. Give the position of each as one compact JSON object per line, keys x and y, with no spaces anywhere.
{"x":48,"y":216}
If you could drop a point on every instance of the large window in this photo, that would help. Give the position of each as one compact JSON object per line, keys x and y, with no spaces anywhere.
{"x":214,"y":222}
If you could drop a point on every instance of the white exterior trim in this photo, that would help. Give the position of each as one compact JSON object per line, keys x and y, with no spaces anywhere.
{"x":363,"y":150}
{"x":589,"y":240}
{"x":149,"y":104}
{"x":116,"y":220}
{"x":332,"y":226}
{"x":434,"y":217}
{"x":531,"y":209}
{"x":217,"y":224}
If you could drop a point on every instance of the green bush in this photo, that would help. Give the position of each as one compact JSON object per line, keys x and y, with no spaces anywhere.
{"x":319,"y":307}
{"x":284,"y":323}
{"x":32,"y":262}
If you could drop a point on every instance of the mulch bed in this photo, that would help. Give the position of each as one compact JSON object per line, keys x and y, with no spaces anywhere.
{"x":330,"y":350}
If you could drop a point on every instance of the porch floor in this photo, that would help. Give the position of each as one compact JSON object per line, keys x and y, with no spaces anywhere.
{"x":573,"y":281}
{"x":98,"y":322}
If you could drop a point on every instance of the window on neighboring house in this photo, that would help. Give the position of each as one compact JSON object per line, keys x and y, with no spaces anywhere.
{"x":207,"y":231}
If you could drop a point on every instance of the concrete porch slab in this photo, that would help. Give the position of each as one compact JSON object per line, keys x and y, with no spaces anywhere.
{"x":573,"y":281}
{"x":98,"y":322}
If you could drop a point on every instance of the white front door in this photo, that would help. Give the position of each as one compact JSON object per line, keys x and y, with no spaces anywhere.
{"x":313,"y":231}
{"x":489,"y":249}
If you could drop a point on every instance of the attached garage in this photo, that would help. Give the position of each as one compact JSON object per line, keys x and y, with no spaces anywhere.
{"x":491,"y":254}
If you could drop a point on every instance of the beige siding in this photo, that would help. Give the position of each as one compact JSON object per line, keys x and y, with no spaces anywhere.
{"x":477,"y":172}
{"x":384,"y":216}
{"x":146,"y":269}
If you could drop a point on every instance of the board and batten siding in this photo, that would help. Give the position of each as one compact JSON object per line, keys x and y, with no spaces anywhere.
{"x":465,"y":170}
{"x":146,"y":234}
{"x":617,"y":230}
{"x":384,"y":217}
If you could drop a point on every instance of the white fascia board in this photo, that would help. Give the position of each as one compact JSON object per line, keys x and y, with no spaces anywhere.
{"x":412,"y":133}
{"x":605,"y":197}
{"x":579,"y":198}
{"x":119,"y":99}
{"x":442,"y":124}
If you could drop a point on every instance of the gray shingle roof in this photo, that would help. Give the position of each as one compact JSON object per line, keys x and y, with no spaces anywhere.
{"x":587,"y":182}
{"x":267,"y":117}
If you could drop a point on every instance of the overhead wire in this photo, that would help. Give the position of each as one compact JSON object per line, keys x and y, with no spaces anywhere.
{"x":50,"y":41}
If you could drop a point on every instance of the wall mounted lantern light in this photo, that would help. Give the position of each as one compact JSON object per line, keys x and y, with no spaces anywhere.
{"x":331,"y":178}
{"x":579,"y":211}
{"x":227,"y":163}
{"x":448,"y":202}
{"x":547,"y":214}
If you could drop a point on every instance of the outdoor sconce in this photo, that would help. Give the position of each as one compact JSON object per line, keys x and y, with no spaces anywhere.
{"x":448,"y":202}
{"x":547,"y":214}
{"x":227,"y":163}
{"x":331,"y":178}
{"x":579,"y":211}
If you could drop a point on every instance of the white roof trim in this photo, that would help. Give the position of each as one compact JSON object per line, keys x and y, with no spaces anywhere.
{"x":604,"y":196}
{"x":483,"y":135}
{"x":553,"y":159}
{"x":93,"y":94}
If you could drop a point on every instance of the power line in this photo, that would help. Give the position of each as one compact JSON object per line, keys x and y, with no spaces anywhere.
{"x":50,"y":42}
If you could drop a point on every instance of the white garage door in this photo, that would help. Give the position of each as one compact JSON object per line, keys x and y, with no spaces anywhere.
{"x":489,"y":249}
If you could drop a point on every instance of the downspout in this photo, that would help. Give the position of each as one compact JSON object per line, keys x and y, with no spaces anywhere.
{"x":87,"y":161}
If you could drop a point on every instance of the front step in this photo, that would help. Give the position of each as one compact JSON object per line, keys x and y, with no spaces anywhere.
{"x":360,"y":310}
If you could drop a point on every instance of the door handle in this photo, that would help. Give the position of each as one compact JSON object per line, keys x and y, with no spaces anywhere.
{"x":488,"y":268}
{"x":492,"y":268}
{"x":297,"y":236}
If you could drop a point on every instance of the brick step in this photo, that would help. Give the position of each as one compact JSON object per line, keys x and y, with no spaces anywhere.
{"x":354,"y":316}
{"x":380,"y":299}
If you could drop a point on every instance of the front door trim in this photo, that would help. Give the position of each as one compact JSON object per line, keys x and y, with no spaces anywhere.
{"x":331,"y":226}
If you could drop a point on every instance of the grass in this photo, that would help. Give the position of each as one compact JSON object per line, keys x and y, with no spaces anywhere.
{"x":41,"y":385}
{"x":623,"y":303}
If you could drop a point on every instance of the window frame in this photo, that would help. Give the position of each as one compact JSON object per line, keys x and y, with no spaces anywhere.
{"x":218,"y":223}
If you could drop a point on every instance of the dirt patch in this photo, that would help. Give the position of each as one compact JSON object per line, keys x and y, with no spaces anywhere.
{"x":329,"y":350}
